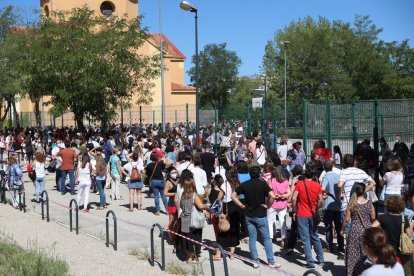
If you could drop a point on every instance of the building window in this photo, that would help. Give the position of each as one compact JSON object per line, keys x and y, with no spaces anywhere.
{"x":107,"y":8}
{"x":46,"y":9}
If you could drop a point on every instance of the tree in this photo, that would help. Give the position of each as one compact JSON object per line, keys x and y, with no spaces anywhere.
{"x":89,"y":65}
{"x":338,"y":60}
{"x":218,"y":70}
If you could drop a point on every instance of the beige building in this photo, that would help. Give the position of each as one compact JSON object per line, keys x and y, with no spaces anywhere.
{"x":177,"y":95}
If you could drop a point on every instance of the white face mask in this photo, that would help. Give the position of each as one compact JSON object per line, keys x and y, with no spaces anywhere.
{"x":174,"y":176}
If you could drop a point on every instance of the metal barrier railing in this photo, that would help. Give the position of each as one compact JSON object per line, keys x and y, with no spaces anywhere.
{"x":43,"y":201}
{"x":312,"y":272}
{"x":223,"y":255}
{"x":152,"y":260}
{"x":22,"y":198}
{"x":77,"y":215}
{"x":3,"y":191}
{"x":115,"y":230}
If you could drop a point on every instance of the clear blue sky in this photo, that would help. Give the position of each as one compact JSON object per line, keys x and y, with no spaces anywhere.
{"x":246,"y":26}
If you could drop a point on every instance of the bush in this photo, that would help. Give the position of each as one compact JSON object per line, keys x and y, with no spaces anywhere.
{"x":16,"y":261}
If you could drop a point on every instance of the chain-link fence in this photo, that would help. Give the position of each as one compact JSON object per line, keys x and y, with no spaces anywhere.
{"x":347,"y":122}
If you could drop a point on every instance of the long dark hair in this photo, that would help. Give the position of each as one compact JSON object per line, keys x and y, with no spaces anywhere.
{"x":85,"y":160}
{"x":376,"y":240}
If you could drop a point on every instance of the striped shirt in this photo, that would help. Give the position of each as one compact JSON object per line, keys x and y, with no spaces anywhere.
{"x":350,"y":176}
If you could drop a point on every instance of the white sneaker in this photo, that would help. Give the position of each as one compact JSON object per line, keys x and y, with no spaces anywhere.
{"x":97,"y":193}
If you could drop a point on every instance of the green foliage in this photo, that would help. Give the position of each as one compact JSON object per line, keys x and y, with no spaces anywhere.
{"x":14,"y":260}
{"x":337,"y":60}
{"x":88,"y":64}
{"x":218,"y":70}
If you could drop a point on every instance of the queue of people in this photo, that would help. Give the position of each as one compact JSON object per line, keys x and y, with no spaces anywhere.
{"x":243,"y":188}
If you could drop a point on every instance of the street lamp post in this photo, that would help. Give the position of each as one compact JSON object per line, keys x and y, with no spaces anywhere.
{"x":285,"y":43}
{"x":186,"y":6}
{"x":162,"y":68}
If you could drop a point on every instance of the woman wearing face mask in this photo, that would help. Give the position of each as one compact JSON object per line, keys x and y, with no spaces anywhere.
{"x":170,"y":190}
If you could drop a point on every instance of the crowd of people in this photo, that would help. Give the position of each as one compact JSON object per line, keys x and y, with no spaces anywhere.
{"x":242,"y":187}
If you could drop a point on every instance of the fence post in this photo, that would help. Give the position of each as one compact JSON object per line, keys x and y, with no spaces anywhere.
{"x":223,"y":255}
{"x":376,"y":137}
{"x":354,"y":128}
{"x":115,"y":229}
{"x":153,"y":118}
{"x":186,"y":118}
{"x":152,"y":260}
{"x":263,"y":123}
{"x":140,"y":116}
{"x":274,"y":134}
{"x":130,"y":118}
{"x":70,"y":215}
{"x":305,"y":125}
{"x":249,"y":120}
{"x":328,"y":124}
{"x":43,"y":205}
{"x":215,"y":129}
{"x":176,"y":117}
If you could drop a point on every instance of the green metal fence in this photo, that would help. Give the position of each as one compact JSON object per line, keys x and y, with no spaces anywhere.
{"x":346,"y":122}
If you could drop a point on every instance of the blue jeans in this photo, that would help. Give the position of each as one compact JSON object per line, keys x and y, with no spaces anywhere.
{"x":255,"y":225}
{"x":101,"y":188}
{"x":309,"y":234}
{"x":157,"y":186}
{"x":71,"y":181}
{"x":58,"y":178}
{"x":39,"y":186}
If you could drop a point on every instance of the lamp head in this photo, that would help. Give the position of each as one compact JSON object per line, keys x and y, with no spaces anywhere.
{"x":186,"y":6}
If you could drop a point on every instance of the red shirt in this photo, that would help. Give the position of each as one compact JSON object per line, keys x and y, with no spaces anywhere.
{"x":68,"y":159}
{"x":314,"y":190}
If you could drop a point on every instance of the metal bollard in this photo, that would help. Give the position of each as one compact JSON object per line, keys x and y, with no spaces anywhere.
{"x":152,"y":260}
{"x":223,"y":255}
{"x":43,"y":205}
{"x":115,"y":230}
{"x":22,"y":198}
{"x":70,"y":215}
{"x":3,"y":191}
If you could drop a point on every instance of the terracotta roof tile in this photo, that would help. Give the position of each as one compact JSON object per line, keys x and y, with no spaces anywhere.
{"x":176,"y":87}
{"x":171,"y":48}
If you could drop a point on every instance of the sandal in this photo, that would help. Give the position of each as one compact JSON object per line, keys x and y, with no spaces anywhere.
{"x":100,"y":208}
{"x":216,"y":258}
{"x":276,"y":266}
{"x":192,"y":261}
{"x":130,"y":210}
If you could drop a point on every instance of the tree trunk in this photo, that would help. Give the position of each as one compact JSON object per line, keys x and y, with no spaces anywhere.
{"x":79,"y":123}
{"x":4,"y":115}
{"x":37,"y":112}
{"x":16,"y":114}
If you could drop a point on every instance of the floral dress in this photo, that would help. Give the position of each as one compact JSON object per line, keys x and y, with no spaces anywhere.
{"x":355,"y":256}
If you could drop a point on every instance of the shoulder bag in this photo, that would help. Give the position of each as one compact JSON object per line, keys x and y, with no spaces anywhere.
{"x":224,"y":224}
{"x":316,"y":216}
{"x":406,"y":245}
{"x":198,"y":220}
{"x":147,"y":181}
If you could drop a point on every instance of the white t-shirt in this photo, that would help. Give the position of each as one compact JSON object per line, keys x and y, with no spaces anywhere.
{"x":394,"y":180}
{"x":186,"y":165}
{"x":261,"y":155}
{"x":337,"y":159}
{"x":200,"y":179}
{"x":381,"y":270}
{"x":350,"y":176}
{"x":282,"y":152}
{"x":84,"y":175}
{"x":40,"y":169}
{"x":222,"y":171}
{"x":128,"y":167}
{"x":227,"y":193}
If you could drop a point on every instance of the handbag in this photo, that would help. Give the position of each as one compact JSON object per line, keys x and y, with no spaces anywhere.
{"x":224,"y":224}
{"x":372,"y":196}
{"x":198,"y":220}
{"x":316,"y":216}
{"x":32,"y":175}
{"x":406,"y":245}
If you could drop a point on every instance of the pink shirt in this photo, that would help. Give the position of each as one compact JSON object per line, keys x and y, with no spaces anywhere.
{"x":279,"y":189}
